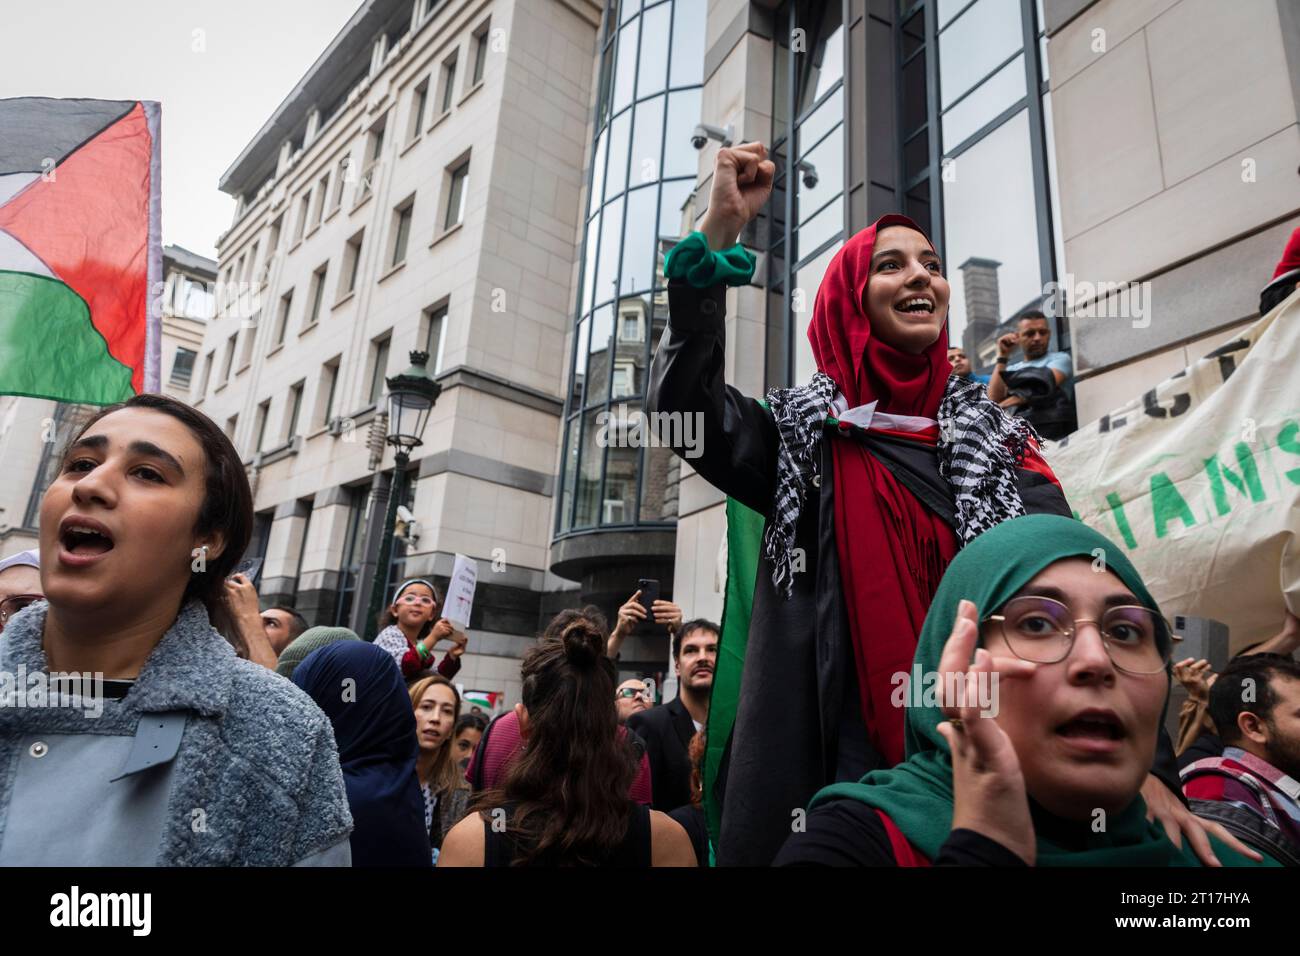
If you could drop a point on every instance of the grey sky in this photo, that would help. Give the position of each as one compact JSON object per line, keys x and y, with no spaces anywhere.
{"x":213,"y":101}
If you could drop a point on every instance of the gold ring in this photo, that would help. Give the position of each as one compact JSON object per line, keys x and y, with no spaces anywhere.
{"x":957,"y":724}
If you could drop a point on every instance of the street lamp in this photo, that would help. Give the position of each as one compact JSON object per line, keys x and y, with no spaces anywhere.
{"x":411,"y":396}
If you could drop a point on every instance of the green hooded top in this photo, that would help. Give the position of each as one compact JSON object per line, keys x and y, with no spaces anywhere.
{"x":917,"y":794}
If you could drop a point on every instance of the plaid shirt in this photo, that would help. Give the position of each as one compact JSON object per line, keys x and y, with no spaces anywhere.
{"x":1243,"y":779}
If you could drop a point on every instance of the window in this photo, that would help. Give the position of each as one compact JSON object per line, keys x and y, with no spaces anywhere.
{"x":623,"y":384}
{"x":246,"y":350}
{"x":419,"y":100}
{"x":273,"y":244}
{"x":329,"y":379}
{"x":304,"y":207}
{"x":231,"y":424}
{"x":230,"y":357}
{"x":207,"y":372}
{"x":282,"y":318}
{"x":448,"y":82}
{"x":183,"y":366}
{"x":317,"y":294}
{"x":251,"y":263}
{"x":263,"y":413}
{"x":378,"y":366}
{"x":342,"y":175}
{"x":435,"y":336}
{"x":295,"y":406}
{"x":480,"y":52}
{"x":630,"y":327}
{"x":322,"y":190}
{"x":351,"y":263}
{"x":375,"y":147}
{"x":401,"y":231}
{"x":455,"y":195}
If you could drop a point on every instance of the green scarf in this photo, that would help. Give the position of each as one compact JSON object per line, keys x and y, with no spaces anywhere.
{"x":917,"y":794}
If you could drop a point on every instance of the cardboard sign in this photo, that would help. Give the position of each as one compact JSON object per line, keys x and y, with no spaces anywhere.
{"x":1199,"y":481}
{"x":460,"y":592}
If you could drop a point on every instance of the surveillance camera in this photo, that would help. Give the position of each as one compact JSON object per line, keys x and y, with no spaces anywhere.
{"x":810,"y":177}
{"x":704,"y":132}
{"x":404,"y":514}
{"x":698,"y":141}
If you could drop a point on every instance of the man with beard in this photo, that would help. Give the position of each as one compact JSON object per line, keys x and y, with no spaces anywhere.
{"x":667,"y":730}
{"x":1040,"y":387}
{"x":1254,"y":788}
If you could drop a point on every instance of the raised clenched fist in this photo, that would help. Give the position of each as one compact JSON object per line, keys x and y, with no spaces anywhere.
{"x":742,"y":184}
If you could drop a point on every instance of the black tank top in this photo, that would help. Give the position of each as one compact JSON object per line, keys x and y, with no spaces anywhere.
{"x":499,"y":849}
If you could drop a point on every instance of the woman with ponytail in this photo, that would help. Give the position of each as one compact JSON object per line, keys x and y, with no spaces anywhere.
{"x":564,"y":801}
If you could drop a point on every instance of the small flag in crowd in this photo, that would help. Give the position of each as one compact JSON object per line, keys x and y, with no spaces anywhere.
{"x":80,"y":248}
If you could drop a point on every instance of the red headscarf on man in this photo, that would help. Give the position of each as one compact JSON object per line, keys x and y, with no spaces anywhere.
{"x":892,"y":549}
{"x":862,"y":366}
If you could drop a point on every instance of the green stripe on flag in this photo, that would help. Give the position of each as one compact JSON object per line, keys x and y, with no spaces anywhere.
{"x":50,"y":349}
{"x":744,"y":544}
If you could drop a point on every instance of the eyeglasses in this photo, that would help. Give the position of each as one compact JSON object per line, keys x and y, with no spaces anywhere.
{"x":1041,"y":630}
{"x":627,"y":693}
{"x":416,"y":599}
{"x":15,"y":603}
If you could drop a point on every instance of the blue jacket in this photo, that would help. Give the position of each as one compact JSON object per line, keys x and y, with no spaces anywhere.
{"x":254,"y":780}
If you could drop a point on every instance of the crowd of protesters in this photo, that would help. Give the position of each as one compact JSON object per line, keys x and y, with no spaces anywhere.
{"x":229,"y":734}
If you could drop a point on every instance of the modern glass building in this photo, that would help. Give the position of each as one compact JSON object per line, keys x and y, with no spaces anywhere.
{"x":643,"y":175}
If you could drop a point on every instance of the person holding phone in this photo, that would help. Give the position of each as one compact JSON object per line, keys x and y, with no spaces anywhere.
{"x":644,"y":605}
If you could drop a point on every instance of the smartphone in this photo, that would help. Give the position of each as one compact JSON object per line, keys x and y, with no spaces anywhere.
{"x":649,"y":589}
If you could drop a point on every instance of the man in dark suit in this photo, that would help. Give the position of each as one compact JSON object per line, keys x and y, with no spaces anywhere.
{"x":667,"y":730}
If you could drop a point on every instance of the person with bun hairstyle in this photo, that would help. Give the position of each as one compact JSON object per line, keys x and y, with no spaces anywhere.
{"x":194,"y":757}
{"x":564,"y":800}
{"x":410,"y":627}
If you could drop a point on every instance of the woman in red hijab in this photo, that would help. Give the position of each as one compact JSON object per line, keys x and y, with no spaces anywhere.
{"x":871,"y":477}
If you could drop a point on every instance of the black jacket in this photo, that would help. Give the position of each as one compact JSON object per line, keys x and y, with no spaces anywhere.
{"x":798,"y":722}
{"x":667,"y":732}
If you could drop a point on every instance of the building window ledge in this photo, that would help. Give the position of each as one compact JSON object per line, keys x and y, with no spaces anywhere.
{"x":470,"y":92}
{"x":393,"y":269}
{"x":445,"y":233}
{"x":332,"y":213}
{"x":364,"y":416}
{"x":407,"y":148}
{"x":346,"y":298}
{"x":310,"y":232}
{"x":307,"y":328}
{"x":243,"y":368}
{"x":296,"y":243}
{"x":364,"y":199}
{"x":287,"y":450}
{"x":437,"y":120}
{"x":219,"y":387}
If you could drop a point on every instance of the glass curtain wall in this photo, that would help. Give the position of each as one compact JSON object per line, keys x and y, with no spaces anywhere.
{"x":808,"y":208}
{"x":975,"y":158}
{"x":643,"y":173}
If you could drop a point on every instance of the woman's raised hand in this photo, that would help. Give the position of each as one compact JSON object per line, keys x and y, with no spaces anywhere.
{"x":988,"y":788}
{"x":742,"y":184}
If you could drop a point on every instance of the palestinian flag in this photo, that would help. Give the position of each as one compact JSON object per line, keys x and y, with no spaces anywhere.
{"x":744,"y":545}
{"x":483,"y":699}
{"x":80,"y":248}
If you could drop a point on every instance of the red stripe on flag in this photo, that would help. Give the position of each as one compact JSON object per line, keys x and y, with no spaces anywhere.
{"x":90,"y":224}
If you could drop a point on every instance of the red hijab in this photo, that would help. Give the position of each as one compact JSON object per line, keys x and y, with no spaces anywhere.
{"x":892,"y":549}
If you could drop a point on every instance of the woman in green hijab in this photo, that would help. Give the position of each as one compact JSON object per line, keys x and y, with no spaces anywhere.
{"x":1035,"y":753}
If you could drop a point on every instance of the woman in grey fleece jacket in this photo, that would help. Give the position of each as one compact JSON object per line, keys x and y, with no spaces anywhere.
{"x":181,"y":754}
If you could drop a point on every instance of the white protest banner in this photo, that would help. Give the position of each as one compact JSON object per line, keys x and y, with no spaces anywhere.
{"x":460,"y":592}
{"x":1199,"y":481}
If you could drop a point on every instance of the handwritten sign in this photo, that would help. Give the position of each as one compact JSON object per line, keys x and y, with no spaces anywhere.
{"x":460,"y":593}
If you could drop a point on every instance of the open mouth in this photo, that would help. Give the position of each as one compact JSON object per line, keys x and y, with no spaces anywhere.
{"x":916,"y":305}
{"x":84,"y":538}
{"x":1093,"y":725}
